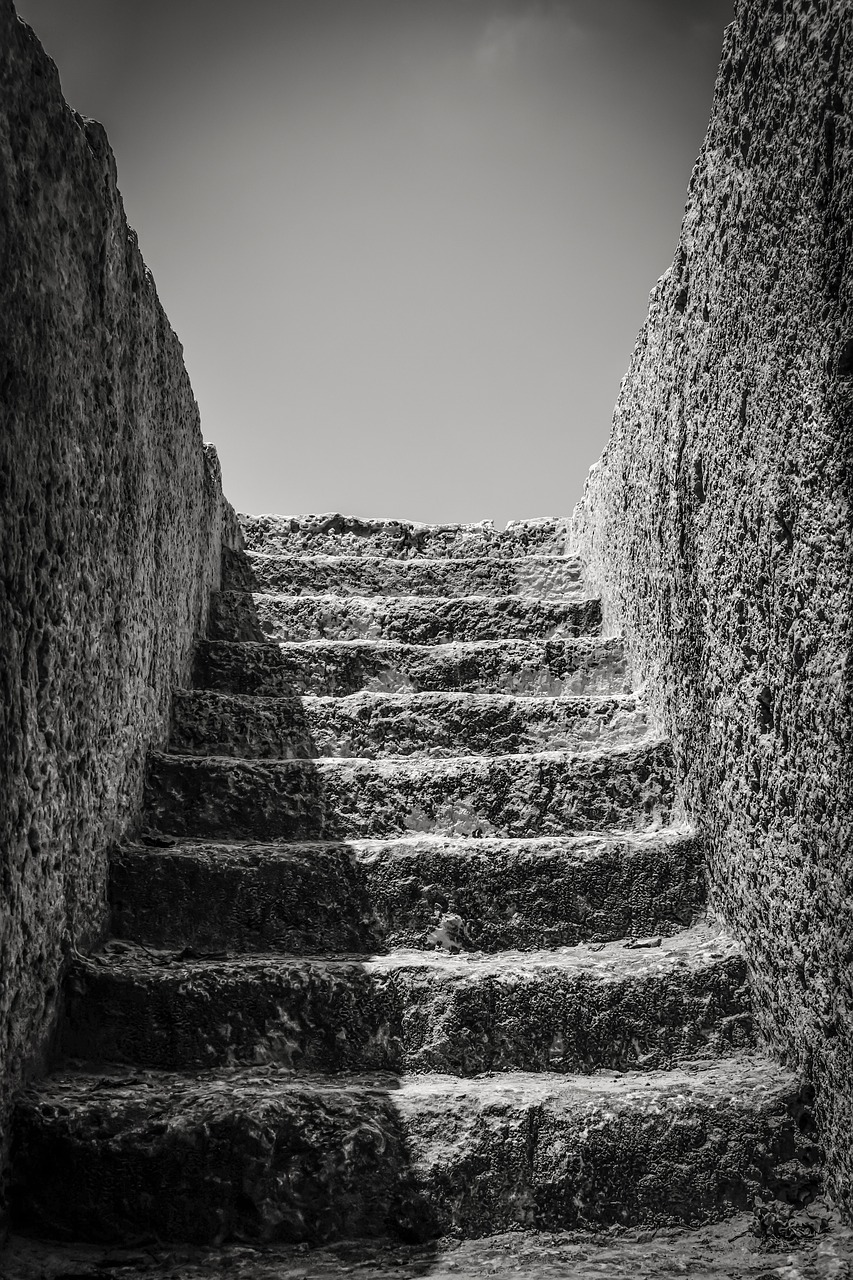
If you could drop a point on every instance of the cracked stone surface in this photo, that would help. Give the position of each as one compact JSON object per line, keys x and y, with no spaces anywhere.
{"x":650,"y":1003}
{"x":238,"y":615}
{"x":369,"y":725}
{"x":529,"y":794}
{"x":336,"y":534}
{"x":737,"y":1249}
{"x":284,"y":1157}
{"x":538,"y":576}
{"x":377,"y":894}
{"x":553,"y":668}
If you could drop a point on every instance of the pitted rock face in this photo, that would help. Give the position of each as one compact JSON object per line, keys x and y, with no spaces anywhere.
{"x":110,"y":520}
{"x":717,"y":523}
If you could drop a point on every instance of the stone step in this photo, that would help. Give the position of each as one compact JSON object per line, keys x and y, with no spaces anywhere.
{"x":415,"y":891}
{"x":262,"y":1154}
{"x":547,"y":793}
{"x":582,"y":666}
{"x":244,"y":615}
{"x":546,"y":577}
{"x":369,"y":725}
{"x":575,"y":1009}
{"x":335,"y":534}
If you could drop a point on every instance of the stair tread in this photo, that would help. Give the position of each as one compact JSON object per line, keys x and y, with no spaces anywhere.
{"x":583,"y":846}
{"x":372,"y":724}
{"x":254,"y":615}
{"x":422,"y":576}
{"x":422,"y":698}
{"x":415,"y":601}
{"x":91,"y":1085}
{"x":262,"y":1153}
{"x":572,"y":562}
{"x":580,"y":644}
{"x":565,"y":666}
{"x":426,"y":764}
{"x":699,"y":944}
{"x":364,"y":535}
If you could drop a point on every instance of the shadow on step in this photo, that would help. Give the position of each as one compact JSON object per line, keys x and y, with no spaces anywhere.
{"x":145,"y":1134}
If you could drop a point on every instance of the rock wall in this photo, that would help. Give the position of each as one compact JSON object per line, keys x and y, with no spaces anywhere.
{"x":718,"y":523}
{"x":110,"y":521}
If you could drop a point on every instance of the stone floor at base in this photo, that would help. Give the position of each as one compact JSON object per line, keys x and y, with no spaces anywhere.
{"x":723,"y":1251}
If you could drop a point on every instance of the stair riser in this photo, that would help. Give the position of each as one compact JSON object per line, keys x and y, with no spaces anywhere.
{"x":306,"y":1164}
{"x":237,"y":615}
{"x":345,"y":536}
{"x":334,"y":800}
{"x":444,"y":725}
{"x":315,"y":900}
{"x":322,"y":1016}
{"x":554,"y":668}
{"x":294,"y":575}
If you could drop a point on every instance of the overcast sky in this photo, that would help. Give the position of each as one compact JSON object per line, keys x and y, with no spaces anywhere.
{"x":407,"y":244}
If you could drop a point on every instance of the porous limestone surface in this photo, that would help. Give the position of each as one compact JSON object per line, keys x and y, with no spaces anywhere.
{"x":110,"y":520}
{"x":740,"y":1248}
{"x":717,"y":525}
{"x":542,"y":576}
{"x":370,"y":725}
{"x":583,"y":665}
{"x":262,"y":1155}
{"x":244,"y":615}
{"x":376,"y":894}
{"x":648,"y":1004}
{"x":335,"y":534}
{"x":539,"y":793}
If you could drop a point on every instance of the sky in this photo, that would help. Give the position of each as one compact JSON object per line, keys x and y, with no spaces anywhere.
{"x":407,"y":244}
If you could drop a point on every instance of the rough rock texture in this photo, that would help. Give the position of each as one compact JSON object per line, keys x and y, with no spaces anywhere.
{"x":409,"y":619}
{"x":739,"y":1248}
{"x":718,"y":524}
{"x":374,"y":894}
{"x":110,"y":524}
{"x":339,"y":535}
{"x":568,"y":1010}
{"x":284,"y":1157}
{"x":549,"y":792}
{"x":554,"y":668}
{"x":374,"y":724}
{"x":543,"y":576}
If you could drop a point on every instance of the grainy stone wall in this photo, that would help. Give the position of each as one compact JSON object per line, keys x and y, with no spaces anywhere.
{"x":718,"y":523}
{"x":110,"y":519}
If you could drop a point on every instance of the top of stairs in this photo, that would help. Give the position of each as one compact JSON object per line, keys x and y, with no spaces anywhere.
{"x":338,"y":534}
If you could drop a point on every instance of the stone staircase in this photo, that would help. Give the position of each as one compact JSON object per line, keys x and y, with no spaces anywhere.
{"x":415,"y":940}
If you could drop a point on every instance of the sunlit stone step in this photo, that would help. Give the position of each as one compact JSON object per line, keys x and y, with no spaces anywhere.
{"x":335,"y":534}
{"x":242,"y":615}
{"x":583,"y":665}
{"x":371,"y":725}
{"x":410,"y":891}
{"x":262,"y":1154}
{"x":547,"y":793}
{"x":577,"y":1009}
{"x":546,"y":577}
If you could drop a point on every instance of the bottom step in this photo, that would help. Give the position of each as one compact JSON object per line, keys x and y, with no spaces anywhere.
{"x":265,"y":1155}
{"x":809,"y":1244}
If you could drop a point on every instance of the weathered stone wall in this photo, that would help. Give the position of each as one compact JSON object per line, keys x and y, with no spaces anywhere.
{"x":718,"y":522}
{"x":110,"y":519}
